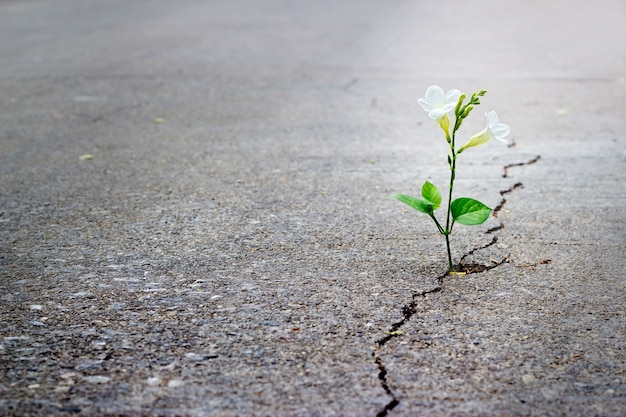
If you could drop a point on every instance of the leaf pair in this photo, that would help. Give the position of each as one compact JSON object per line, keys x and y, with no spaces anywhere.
{"x":464,"y":210}
{"x":430,"y":201}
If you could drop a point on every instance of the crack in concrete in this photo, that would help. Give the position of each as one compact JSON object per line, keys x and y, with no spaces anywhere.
{"x":519,"y":164}
{"x":408,"y":310}
{"x":474,"y":268}
{"x":503,"y":202}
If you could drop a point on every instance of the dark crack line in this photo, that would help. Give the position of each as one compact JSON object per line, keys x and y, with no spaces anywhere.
{"x":500,"y":206}
{"x":476,"y":268}
{"x":503,"y":201}
{"x":382,"y":375}
{"x":409,"y":310}
{"x":519,"y":164}
{"x":534,"y":265}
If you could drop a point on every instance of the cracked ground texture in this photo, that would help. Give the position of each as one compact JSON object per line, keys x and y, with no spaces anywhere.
{"x":194,"y":216}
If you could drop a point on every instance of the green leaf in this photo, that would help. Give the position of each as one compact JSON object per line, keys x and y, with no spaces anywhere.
{"x":469,"y":212}
{"x":431,"y":194}
{"x":416,"y":203}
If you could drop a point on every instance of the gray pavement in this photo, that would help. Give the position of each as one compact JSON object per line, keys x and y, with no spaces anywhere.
{"x":194,"y":217}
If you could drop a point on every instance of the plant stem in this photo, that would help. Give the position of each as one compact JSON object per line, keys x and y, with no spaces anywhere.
{"x":450,"y":266}
{"x":437,"y":224}
{"x":448,"y":231}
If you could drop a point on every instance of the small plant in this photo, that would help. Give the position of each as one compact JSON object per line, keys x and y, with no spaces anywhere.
{"x":462,"y":210}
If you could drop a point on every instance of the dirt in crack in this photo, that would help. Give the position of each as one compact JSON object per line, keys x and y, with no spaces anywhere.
{"x":519,"y":164}
{"x":411,"y":308}
{"x":475,"y":268}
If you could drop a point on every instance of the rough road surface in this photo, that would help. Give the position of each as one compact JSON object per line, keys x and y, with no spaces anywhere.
{"x":194,"y":217}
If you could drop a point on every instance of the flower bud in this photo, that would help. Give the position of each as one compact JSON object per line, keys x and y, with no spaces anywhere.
{"x":459,"y":103}
{"x":444,"y":123}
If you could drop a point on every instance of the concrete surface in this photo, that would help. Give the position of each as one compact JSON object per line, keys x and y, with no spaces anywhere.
{"x":193,"y":211}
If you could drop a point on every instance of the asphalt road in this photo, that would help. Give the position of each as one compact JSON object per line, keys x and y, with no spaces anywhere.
{"x":194,"y":216}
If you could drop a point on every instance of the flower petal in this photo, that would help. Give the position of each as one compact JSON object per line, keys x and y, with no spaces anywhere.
{"x":500,"y":131}
{"x":437,"y":114}
{"x":449,"y":106}
{"x":452,"y":97}
{"x":491,"y":118}
{"x":435,"y":96}
{"x":425,"y":104}
{"x":437,"y":103}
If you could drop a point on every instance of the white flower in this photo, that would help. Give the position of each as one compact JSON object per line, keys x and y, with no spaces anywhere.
{"x":438,"y":104}
{"x":494,"y":130}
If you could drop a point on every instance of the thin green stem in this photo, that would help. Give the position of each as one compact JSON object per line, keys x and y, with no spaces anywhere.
{"x":448,"y":230}
{"x":450,"y":266}
{"x":460,"y":112}
{"x":437,"y":224}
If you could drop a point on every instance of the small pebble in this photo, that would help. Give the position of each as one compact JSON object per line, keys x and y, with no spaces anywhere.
{"x":194,"y":356}
{"x":174,"y":383}
{"x":82,"y":294}
{"x":154,"y":381}
{"x":89,"y":365}
{"x":98,"y":344}
{"x":169,"y":367}
{"x":97,"y":379}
